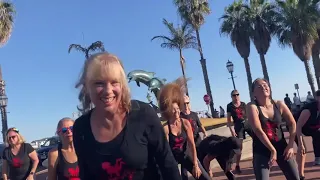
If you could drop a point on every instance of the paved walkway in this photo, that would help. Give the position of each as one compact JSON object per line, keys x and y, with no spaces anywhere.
{"x":311,"y":172}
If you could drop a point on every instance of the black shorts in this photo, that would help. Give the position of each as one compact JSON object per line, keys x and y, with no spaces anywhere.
{"x":241,"y":128}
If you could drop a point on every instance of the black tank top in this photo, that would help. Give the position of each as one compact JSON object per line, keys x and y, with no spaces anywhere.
{"x":66,"y":170}
{"x":273,"y":130}
{"x":178,"y":144}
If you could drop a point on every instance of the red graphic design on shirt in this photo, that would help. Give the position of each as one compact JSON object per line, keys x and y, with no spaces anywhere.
{"x":16,"y":162}
{"x":117,"y":171}
{"x":270,"y":130}
{"x":178,"y":143}
{"x":73,"y":173}
{"x":239,"y":113}
{"x":193,"y":124}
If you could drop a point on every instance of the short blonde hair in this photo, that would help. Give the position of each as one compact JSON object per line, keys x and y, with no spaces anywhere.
{"x":19,"y":136}
{"x":103,"y":66}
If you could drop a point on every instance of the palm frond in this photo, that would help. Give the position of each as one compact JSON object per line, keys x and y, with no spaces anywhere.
{"x":7,"y":13}
{"x":77,"y":47}
{"x":96,"y":46}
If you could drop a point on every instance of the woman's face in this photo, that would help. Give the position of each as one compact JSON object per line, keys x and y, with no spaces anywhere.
{"x":175,"y":111}
{"x":261,"y":89}
{"x":13,"y":138}
{"x":106,"y":94}
{"x":65,"y":130}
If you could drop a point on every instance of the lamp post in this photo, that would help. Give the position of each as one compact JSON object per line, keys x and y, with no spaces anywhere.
{"x":3,"y":107}
{"x":230,"y":69}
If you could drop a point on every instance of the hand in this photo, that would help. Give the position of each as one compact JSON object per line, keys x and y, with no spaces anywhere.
{"x":301,"y":149}
{"x":233,"y":133}
{"x":204,"y":135}
{"x":30,"y":177}
{"x":273,"y":158}
{"x":288,"y":152}
{"x":196,"y":171}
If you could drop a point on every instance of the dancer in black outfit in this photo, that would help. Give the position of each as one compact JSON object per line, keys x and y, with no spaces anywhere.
{"x":119,"y":139}
{"x":269,"y":144}
{"x":179,"y":130}
{"x":62,"y":160}
{"x":220,"y":148}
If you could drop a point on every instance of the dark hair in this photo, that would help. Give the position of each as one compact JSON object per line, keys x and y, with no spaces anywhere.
{"x":233,"y":91}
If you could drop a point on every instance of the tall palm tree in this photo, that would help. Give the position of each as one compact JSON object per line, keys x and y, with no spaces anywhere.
{"x":236,"y":25}
{"x":7,"y":13}
{"x":179,"y":38}
{"x":263,"y":24}
{"x":316,"y":59}
{"x":297,"y":28}
{"x":96,"y":46}
{"x":194,"y":12}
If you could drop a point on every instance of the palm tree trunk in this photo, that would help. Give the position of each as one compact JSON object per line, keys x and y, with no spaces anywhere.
{"x":249,"y":77}
{"x":309,"y":76}
{"x":316,"y":63}
{"x":205,"y":72}
{"x":264,"y":67}
{"x":4,"y":123}
{"x":183,"y":71}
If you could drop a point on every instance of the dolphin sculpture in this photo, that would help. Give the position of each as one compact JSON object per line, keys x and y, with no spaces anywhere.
{"x":140,"y":76}
{"x":155,"y":84}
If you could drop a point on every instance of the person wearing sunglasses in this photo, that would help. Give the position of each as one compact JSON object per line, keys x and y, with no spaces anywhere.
{"x":236,"y":112}
{"x":19,"y":158}
{"x":62,"y":160}
{"x":119,"y":138}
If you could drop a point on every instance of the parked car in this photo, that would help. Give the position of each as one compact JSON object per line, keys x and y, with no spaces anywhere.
{"x":46,"y":147}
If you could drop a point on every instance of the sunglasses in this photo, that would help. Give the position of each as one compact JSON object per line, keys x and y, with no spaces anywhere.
{"x":234,"y":95}
{"x":65,"y":129}
{"x":12,"y":137}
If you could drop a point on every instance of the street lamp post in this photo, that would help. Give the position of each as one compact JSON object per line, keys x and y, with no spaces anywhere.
{"x":230,"y":69}
{"x":3,"y":107}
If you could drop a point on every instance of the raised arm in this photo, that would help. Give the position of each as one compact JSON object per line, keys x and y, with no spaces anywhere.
{"x":253,"y":118}
{"x":52,"y":164}
{"x":158,"y":143}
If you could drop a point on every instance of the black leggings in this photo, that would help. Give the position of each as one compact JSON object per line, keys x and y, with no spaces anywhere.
{"x":187,"y":164}
{"x":262,"y":170}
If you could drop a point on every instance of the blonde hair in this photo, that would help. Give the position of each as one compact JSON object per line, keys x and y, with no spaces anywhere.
{"x":19,"y":136}
{"x":172,"y":93}
{"x":102,"y":66}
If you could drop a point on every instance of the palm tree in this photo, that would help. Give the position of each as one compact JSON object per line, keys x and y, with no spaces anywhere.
{"x":194,"y":12}
{"x":316,"y":60}
{"x":236,"y":25}
{"x":96,"y":46}
{"x":262,"y":18}
{"x":179,"y":38}
{"x":297,"y":28}
{"x":7,"y":13}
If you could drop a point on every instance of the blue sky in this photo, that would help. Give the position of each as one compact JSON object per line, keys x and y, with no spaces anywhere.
{"x":40,"y":74}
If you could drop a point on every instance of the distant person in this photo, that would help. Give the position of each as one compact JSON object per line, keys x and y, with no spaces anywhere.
{"x":309,"y":97}
{"x":269,"y":144}
{"x":308,"y":124}
{"x":179,"y":130}
{"x":194,"y":120}
{"x":288,"y":102}
{"x":236,"y":112}
{"x":222,"y":112}
{"x":62,"y":160}
{"x":19,"y":158}
{"x":296,"y":101}
{"x":220,"y":148}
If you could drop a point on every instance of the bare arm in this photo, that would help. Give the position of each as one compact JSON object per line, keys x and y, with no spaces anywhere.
{"x":229,"y":123}
{"x":52,"y":164}
{"x":35,"y":161}
{"x":253,"y":118}
{"x":4,"y":169}
{"x":288,"y":117}
{"x":166,"y":131}
{"x":303,"y":118}
{"x":191,"y":143}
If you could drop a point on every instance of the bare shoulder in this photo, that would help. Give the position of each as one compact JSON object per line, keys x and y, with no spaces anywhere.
{"x":279,"y":103}
{"x":53,"y":152}
{"x":251,"y":105}
{"x":186,"y":122}
{"x":166,"y":128}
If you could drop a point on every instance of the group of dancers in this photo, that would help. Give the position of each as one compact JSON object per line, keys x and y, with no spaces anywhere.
{"x":123,"y":139}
